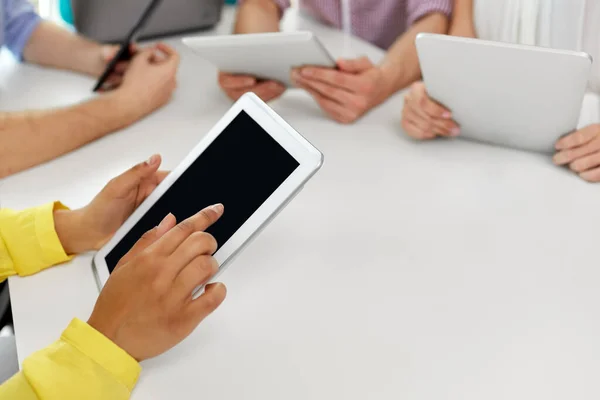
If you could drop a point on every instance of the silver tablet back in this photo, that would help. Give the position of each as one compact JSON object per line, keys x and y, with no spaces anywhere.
{"x":512,"y":95}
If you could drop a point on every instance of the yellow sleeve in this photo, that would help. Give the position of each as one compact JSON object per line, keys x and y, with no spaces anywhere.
{"x":83,"y":364}
{"x":28,"y":241}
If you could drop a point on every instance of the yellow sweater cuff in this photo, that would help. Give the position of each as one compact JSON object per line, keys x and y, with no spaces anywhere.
{"x":108,"y":355}
{"x":52,"y":250}
{"x":30,"y":242}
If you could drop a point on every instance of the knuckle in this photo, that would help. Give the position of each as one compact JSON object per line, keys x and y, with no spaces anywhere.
{"x":207,"y":214}
{"x":186,"y":226}
{"x":204,"y":242}
{"x":145,"y":259}
{"x":208,"y":267}
{"x":149,"y":235}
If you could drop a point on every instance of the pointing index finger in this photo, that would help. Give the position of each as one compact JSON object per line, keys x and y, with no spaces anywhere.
{"x":196,"y":223}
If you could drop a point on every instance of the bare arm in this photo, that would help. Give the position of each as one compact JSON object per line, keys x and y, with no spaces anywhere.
{"x":401,"y":64}
{"x":53,"y":46}
{"x":256,"y":16}
{"x":463,"y":23}
{"x":33,"y":137}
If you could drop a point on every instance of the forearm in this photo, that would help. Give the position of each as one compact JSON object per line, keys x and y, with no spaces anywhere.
{"x":33,"y":137}
{"x":53,"y":46}
{"x":401,"y":64}
{"x":257,"y":16}
{"x":462,"y":19}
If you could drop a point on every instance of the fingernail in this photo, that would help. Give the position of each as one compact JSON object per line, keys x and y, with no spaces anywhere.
{"x":559,"y":158}
{"x":447,"y":115}
{"x":306,"y":72}
{"x":218,"y":208}
{"x":455,"y":132}
{"x":153,"y":160}
{"x":163,"y":223}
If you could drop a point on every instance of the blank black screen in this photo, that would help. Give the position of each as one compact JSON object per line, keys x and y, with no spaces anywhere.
{"x":241,"y":168}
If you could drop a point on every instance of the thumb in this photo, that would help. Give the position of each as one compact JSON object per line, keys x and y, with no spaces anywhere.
{"x":128,"y":180}
{"x":356,"y":65}
{"x":149,"y":238}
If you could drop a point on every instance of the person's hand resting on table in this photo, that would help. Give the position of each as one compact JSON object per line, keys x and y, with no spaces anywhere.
{"x":348,"y":92}
{"x":149,"y":81}
{"x":580,"y":150}
{"x":107,"y":53}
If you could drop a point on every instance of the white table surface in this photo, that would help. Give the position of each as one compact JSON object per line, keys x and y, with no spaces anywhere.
{"x":405,"y":270}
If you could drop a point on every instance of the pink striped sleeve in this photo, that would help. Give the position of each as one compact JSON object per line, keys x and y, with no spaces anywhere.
{"x":418,"y":9}
{"x":282,"y":4}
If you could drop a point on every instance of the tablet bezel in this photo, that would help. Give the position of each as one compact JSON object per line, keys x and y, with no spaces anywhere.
{"x":309,"y":158}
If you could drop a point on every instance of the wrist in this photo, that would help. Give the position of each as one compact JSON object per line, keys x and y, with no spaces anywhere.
{"x":92,"y":59}
{"x":124,"y":106}
{"x":391,"y":79}
{"x":69,"y":229}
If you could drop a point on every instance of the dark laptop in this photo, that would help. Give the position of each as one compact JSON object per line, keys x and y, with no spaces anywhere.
{"x":111,"y":20}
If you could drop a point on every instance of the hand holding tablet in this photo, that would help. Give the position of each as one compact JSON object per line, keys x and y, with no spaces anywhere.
{"x":246,"y":62}
{"x":153,"y":286}
{"x":252,"y":161}
{"x":235,"y":86}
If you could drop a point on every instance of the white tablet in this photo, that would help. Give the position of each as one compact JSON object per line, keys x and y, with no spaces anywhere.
{"x":252,"y":162}
{"x":518,"y":96}
{"x":263,"y":55}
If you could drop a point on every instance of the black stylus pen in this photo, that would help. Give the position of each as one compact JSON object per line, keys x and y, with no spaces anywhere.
{"x":124,"y":53}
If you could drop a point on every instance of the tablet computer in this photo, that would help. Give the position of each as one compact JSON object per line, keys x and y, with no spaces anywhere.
{"x":263,"y":55}
{"x":252,"y":162}
{"x":512,"y":95}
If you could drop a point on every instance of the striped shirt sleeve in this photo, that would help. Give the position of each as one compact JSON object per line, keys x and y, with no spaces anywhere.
{"x":418,"y":9}
{"x":282,"y":4}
